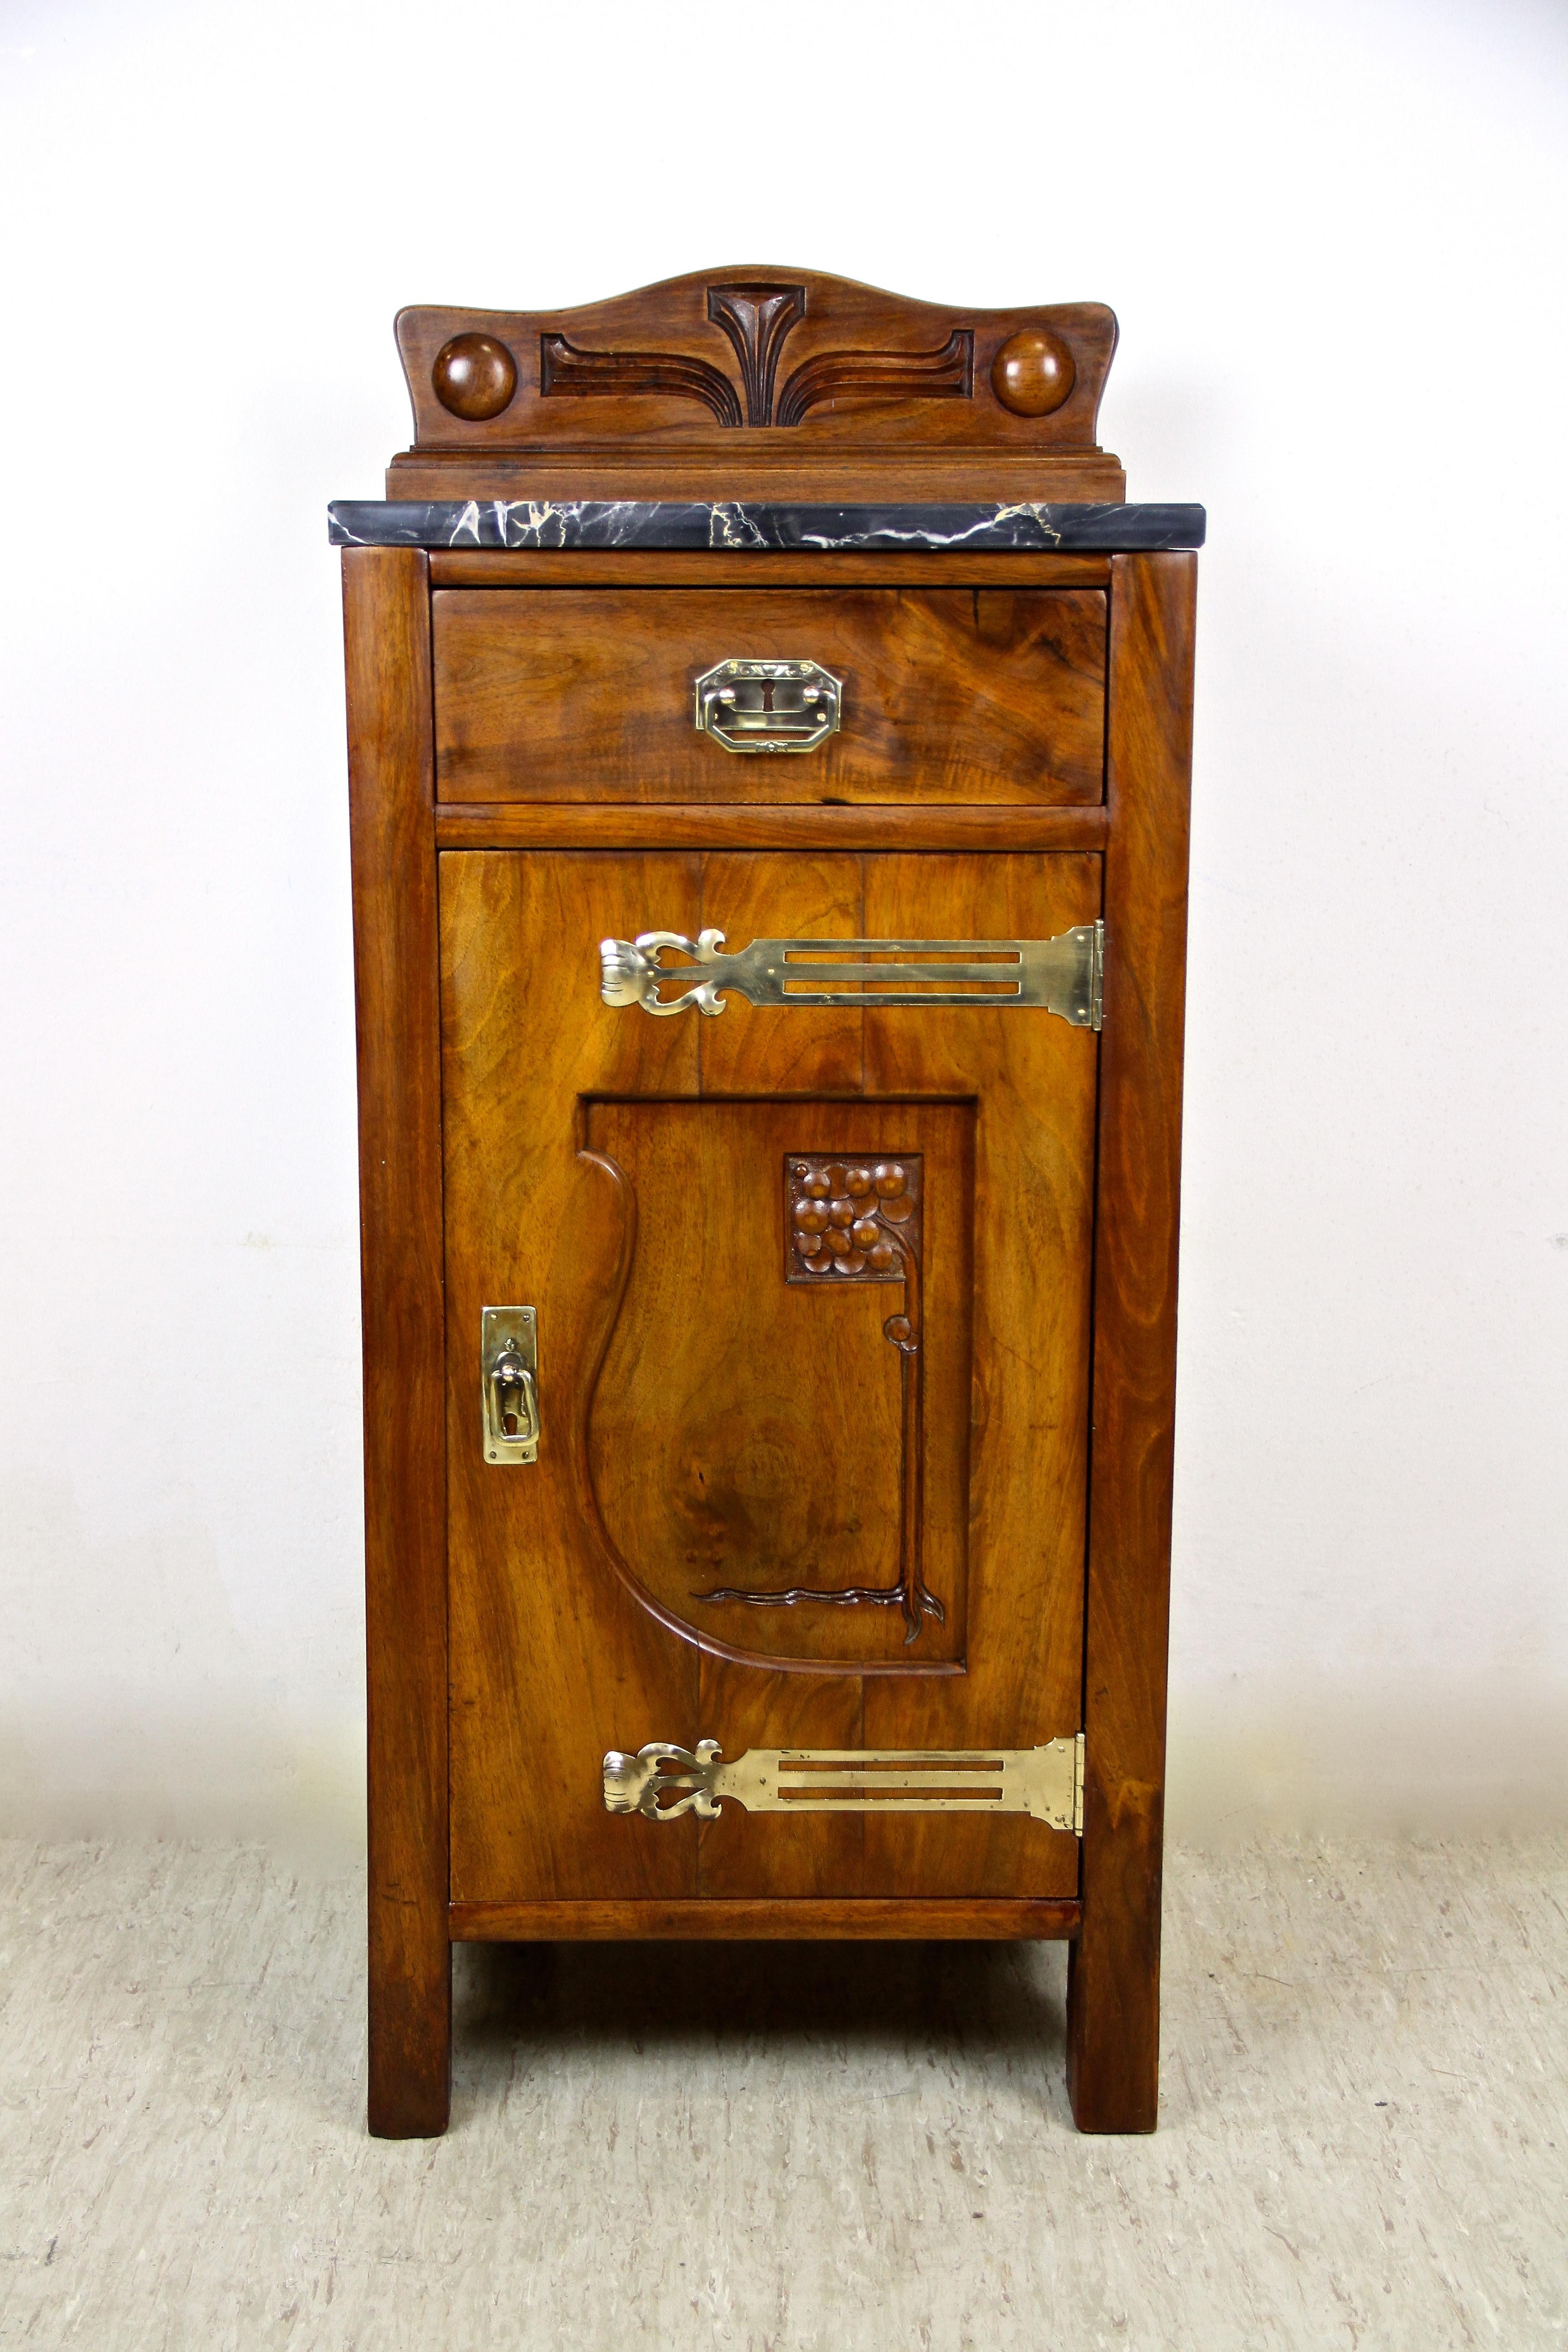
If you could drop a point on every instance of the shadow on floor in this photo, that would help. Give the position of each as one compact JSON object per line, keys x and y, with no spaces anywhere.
{"x":996,"y":2000}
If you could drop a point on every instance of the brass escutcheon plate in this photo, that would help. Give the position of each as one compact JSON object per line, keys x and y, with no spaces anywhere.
{"x":749,"y":705}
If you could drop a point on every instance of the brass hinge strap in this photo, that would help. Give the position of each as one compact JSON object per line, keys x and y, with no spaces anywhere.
{"x":662,"y":1782}
{"x":1061,"y":975}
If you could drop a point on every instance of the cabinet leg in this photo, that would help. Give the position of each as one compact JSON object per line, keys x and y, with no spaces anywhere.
{"x":410,"y":2029}
{"x":1113,"y":1989}
{"x":392,"y":794}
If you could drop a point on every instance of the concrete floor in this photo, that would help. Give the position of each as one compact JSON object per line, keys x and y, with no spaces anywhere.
{"x":1363,"y":2141}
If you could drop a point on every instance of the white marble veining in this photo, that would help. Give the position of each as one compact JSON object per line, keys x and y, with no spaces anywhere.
{"x":1364,"y":2144}
{"x":730,"y":523}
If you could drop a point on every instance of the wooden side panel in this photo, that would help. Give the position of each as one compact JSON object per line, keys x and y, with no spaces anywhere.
{"x":1114,"y":1985}
{"x":1033,"y":1079}
{"x":950,"y":694}
{"x":553,"y":1659}
{"x":392,"y":810}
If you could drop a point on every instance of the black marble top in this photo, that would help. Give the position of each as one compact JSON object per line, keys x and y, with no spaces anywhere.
{"x":671,"y":523}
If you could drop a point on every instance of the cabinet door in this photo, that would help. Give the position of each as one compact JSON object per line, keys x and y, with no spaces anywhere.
{"x":812,"y":1299}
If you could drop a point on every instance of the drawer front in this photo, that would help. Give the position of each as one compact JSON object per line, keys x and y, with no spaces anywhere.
{"x":988,"y":694}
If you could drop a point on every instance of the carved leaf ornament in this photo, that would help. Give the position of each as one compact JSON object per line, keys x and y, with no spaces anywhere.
{"x":757,"y":319}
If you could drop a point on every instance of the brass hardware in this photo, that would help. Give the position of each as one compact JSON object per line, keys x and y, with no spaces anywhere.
{"x":1045,"y":1782}
{"x":1061,"y":975}
{"x":767,"y":706}
{"x":509,"y":1366}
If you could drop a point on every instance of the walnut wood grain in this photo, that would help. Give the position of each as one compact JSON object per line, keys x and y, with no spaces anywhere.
{"x":744,"y":466}
{"x":391,"y":818}
{"x":1114,"y":1986}
{"x":544,"y":567}
{"x":796,"y":827}
{"x":1033,"y":373}
{"x":768,"y":1919}
{"x":553,"y":1659}
{"x":854,"y":1220}
{"x":950,"y":695}
{"x":823,"y":1854}
{"x":748,"y":1433}
{"x":808,"y":895}
{"x":1034,"y":1085}
{"x":474,"y":377}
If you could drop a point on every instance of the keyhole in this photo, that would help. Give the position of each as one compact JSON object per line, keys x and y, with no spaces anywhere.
{"x":768,"y":694}
{"x":509,"y":1422}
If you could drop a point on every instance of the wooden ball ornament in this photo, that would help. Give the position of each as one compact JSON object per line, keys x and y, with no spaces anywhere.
{"x":474,"y":377}
{"x":1033,"y":373}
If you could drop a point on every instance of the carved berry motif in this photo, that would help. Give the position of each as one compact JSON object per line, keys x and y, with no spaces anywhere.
{"x":850,"y":1219}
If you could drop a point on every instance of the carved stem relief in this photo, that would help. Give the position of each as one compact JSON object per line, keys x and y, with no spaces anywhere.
{"x":757,"y":319}
{"x":564,"y":371}
{"x":849,"y":1222}
{"x":945,"y":374}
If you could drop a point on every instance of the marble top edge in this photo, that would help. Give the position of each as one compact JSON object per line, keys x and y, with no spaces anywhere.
{"x":764,"y":525}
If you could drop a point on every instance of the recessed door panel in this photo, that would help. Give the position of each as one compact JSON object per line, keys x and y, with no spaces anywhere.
{"x":779,"y":1451}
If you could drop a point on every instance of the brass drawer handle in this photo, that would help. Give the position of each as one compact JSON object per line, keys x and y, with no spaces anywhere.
{"x":1060,"y":975}
{"x":768,"y":706}
{"x":661,"y":1781}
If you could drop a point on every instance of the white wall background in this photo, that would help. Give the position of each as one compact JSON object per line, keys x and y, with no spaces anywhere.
{"x":1333,"y":234}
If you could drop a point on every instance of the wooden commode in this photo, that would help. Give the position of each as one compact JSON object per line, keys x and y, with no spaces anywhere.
{"x":769,"y":742}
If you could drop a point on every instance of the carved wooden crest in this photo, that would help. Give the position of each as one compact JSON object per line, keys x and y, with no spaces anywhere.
{"x":763,"y":355}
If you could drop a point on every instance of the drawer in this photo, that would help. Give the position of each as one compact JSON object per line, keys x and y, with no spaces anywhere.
{"x":948,"y":694}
